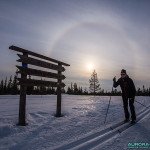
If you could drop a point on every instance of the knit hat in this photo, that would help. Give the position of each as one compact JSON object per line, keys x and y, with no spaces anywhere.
{"x":123,"y":71}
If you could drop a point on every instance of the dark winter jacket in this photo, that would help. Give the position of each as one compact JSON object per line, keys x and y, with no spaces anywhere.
{"x":127,"y":87}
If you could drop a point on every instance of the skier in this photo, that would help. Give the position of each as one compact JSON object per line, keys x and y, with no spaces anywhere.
{"x":128,"y":92}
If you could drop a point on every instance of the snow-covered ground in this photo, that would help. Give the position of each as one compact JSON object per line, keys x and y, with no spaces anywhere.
{"x":81,"y":127}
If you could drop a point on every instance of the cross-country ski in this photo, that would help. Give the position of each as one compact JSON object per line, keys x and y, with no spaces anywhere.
{"x":126,"y":127}
{"x":117,"y":125}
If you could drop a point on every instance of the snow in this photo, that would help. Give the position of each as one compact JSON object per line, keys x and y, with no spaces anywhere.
{"x":81,"y":127}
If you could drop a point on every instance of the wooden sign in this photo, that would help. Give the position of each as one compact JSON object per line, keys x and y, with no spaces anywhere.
{"x":24,"y":82}
{"x":31,"y":82}
{"x":40,"y":63}
{"x":40,"y":73}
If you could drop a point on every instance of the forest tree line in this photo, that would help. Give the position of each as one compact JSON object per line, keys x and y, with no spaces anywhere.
{"x":10,"y":86}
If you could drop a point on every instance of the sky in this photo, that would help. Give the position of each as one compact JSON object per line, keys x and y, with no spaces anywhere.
{"x":105,"y":35}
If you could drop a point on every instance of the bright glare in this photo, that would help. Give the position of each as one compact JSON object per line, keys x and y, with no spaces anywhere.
{"x":90,"y":66}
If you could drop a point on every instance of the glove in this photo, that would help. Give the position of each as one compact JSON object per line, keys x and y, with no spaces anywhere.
{"x":114,"y":79}
{"x":130,"y":99}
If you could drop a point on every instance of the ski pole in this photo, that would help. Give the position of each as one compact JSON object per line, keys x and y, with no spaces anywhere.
{"x":107,"y":110}
{"x":142,"y":104}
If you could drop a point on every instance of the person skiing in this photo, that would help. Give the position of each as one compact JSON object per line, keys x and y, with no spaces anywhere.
{"x":128,"y":94}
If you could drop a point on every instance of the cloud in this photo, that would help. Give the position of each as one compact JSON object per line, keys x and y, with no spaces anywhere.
{"x":110,"y":34}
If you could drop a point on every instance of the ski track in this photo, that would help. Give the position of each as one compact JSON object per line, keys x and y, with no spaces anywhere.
{"x":90,"y":140}
{"x":97,"y":139}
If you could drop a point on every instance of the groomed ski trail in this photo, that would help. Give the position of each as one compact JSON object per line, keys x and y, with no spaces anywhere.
{"x":97,"y":139}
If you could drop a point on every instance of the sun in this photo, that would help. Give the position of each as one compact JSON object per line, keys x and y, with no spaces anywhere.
{"x":90,"y":66}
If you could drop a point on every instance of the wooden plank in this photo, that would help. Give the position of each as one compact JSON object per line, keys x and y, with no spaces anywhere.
{"x":40,"y":73}
{"x":32,"y":82}
{"x":18,"y":49}
{"x":40,"y":63}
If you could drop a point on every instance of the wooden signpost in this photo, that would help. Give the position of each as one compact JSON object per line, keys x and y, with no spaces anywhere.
{"x":24,"y":82}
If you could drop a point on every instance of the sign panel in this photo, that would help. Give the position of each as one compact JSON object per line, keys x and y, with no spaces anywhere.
{"x":31,"y":82}
{"x":18,"y":49}
{"x":40,"y":73}
{"x":40,"y":63}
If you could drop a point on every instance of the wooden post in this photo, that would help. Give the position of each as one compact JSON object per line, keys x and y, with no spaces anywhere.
{"x":22,"y":103}
{"x":58,"y":113}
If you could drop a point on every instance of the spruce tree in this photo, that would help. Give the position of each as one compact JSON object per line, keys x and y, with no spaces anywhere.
{"x":72,"y":89}
{"x":69,"y":90}
{"x":2,"y":87}
{"x":5,"y":86}
{"x":53,"y":90}
{"x":94,"y":83}
{"x":9,"y":85}
{"x":75,"y":88}
{"x":85,"y":92}
{"x":48,"y":91}
{"x":14,"y":88}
